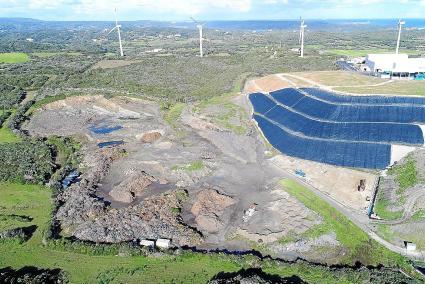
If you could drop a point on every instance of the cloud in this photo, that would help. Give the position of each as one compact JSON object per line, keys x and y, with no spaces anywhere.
{"x":208,"y":9}
{"x":179,"y":7}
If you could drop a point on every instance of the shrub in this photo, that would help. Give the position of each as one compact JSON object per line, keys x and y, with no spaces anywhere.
{"x":27,"y":161}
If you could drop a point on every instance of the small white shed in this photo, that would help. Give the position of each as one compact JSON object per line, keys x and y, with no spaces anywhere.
{"x":147,"y":243}
{"x":410,"y":246}
{"x":163,"y":243}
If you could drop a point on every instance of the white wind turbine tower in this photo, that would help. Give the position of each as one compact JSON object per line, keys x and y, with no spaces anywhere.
{"x":301,"y":41}
{"x":201,"y":38}
{"x":117,"y":27}
{"x":400,"y":26}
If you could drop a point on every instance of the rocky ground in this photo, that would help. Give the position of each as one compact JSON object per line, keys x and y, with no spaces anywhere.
{"x":196,"y":183}
{"x":407,"y":205}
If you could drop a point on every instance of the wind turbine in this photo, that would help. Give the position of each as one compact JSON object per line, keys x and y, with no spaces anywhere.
{"x":117,"y":27}
{"x":400,"y":26}
{"x":301,"y":41}
{"x":201,"y":39}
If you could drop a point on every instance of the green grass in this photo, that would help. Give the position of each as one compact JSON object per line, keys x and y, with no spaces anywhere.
{"x":318,"y":230}
{"x":13,"y":57}
{"x":381,"y":210}
{"x":25,"y":200}
{"x":398,"y":87}
{"x":406,"y":175}
{"x":66,"y":149}
{"x":7,"y":136}
{"x":194,"y":166}
{"x":314,"y":232}
{"x":418,"y":215}
{"x":385,"y":232}
{"x":228,"y":109}
{"x":360,"y":246}
{"x":46,"y":101}
{"x":173,"y":114}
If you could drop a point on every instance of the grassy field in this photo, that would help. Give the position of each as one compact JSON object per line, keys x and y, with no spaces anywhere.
{"x":24,"y":200}
{"x":356,"y":83}
{"x":406,"y":174}
{"x":339,"y":78}
{"x":360,"y":246}
{"x":381,"y":208}
{"x":399,"y":87}
{"x":389,"y":234}
{"x":7,"y":136}
{"x":13,"y":57}
{"x":418,"y":215}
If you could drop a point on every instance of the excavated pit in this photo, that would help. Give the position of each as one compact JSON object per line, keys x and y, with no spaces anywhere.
{"x":193,"y":185}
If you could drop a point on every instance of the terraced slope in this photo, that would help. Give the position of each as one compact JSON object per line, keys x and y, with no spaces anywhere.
{"x":358,"y":132}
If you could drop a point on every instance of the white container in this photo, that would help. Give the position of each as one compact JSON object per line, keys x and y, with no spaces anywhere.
{"x":147,"y":243}
{"x":163,"y":243}
{"x":410,"y":246}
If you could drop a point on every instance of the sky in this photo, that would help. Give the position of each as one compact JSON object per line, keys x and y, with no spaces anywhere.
{"x":177,"y":10}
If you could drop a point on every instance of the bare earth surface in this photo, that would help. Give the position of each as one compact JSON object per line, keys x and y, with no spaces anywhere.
{"x":149,"y":188}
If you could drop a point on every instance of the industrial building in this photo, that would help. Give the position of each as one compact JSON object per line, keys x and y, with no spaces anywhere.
{"x":396,"y":65}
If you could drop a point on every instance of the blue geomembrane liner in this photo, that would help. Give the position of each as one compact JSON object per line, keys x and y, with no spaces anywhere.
{"x":333,"y":97}
{"x":347,"y":154}
{"x":413,"y":113}
{"x":261,"y":103}
{"x":371,"y":132}
{"x":339,"y":130}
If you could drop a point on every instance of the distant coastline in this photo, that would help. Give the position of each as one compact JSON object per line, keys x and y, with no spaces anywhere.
{"x":253,"y":25}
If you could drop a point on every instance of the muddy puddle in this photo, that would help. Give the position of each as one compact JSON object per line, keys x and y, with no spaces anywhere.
{"x":104,"y":129}
{"x":110,"y":143}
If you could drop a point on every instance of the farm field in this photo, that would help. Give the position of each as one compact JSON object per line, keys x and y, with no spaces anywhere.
{"x":14,"y":57}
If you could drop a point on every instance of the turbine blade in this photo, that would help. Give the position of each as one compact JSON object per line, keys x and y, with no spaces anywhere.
{"x":195,"y":21}
{"x":112,"y":30}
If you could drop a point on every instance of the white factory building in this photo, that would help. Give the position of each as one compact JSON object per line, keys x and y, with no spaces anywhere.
{"x":397,"y":65}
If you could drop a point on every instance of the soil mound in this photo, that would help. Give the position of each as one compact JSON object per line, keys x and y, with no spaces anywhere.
{"x":131,"y":187}
{"x":150,"y":137}
{"x":209,"y":205}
